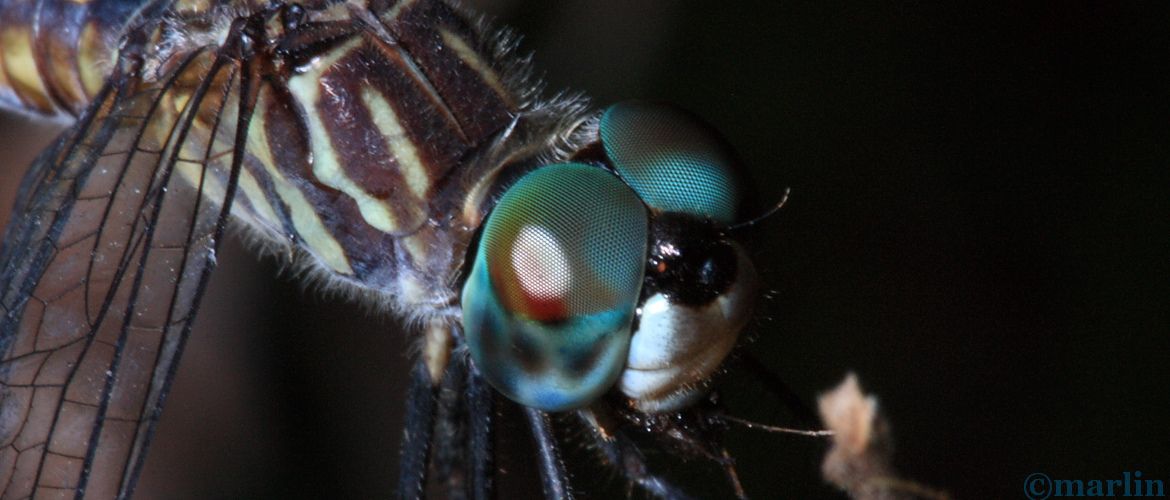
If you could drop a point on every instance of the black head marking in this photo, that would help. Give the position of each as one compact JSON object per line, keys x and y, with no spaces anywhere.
{"x":691,"y":260}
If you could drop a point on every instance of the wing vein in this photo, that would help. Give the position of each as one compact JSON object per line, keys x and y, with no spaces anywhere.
{"x":175,"y":143}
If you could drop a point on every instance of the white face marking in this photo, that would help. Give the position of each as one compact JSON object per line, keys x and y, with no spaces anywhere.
{"x":677,"y":347}
{"x":654,"y":345}
{"x":542,"y":268}
{"x":645,"y":383}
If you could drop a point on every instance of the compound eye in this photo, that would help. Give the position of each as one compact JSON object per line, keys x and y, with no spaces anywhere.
{"x":548,"y":304}
{"x":672,"y":159}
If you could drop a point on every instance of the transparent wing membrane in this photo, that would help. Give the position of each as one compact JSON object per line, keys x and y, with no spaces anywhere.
{"x":102,"y":271}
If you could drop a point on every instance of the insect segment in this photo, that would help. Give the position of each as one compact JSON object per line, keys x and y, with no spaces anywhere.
{"x":55,"y":55}
{"x":621,"y":272}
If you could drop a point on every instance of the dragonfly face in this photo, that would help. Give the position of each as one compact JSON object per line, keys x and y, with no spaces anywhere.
{"x":596,"y":276}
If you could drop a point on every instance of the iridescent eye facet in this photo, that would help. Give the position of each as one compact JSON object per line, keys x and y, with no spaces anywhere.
{"x":674,"y":161}
{"x":548,"y":304}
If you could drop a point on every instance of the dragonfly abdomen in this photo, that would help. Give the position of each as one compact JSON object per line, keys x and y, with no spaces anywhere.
{"x":55,"y":54}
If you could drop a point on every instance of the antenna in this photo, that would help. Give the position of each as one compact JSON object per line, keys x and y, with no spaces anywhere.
{"x":772,"y":211}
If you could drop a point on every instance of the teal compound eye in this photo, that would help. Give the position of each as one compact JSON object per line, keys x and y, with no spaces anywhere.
{"x":672,"y":159}
{"x":549,"y":301}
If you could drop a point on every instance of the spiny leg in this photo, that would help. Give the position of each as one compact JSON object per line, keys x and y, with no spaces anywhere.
{"x":553,"y":477}
{"x":448,"y":418}
{"x":479,"y":414}
{"x":620,"y":452}
{"x":416,"y":439}
{"x":451,"y":428}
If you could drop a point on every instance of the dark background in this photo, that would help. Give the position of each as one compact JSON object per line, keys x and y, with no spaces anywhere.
{"x":979,"y":227}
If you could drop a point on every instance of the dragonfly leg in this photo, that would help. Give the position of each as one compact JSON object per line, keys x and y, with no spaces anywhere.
{"x":456,"y":414}
{"x":479,"y":414}
{"x":619,"y":451}
{"x":416,"y":440}
{"x":552,"y":469}
{"x":451,"y":429}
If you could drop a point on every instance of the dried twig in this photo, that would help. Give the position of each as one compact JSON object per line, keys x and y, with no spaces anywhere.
{"x":860,"y":460}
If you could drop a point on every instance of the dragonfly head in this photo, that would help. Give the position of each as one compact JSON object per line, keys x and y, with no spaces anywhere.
{"x":615,"y":272}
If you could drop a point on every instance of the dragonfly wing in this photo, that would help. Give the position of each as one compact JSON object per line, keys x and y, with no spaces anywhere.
{"x":102,"y":268}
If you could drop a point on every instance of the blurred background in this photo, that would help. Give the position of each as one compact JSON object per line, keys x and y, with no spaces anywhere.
{"x":979,"y":227}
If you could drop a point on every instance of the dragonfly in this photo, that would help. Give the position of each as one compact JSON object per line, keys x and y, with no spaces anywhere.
{"x":580,"y":265}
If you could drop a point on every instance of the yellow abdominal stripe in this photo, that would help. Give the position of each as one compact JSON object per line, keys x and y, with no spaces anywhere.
{"x":91,"y":52}
{"x":19,"y":63}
